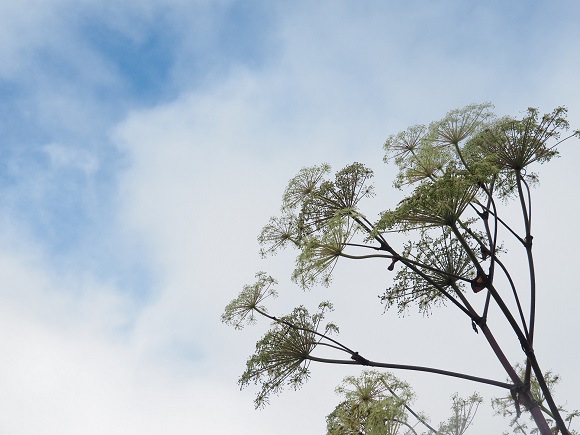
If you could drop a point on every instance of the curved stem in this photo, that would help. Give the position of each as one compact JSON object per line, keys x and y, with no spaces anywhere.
{"x":536,"y":413}
{"x":362,"y":257}
{"x":403,"y":260}
{"x":508,"y":276}
{"x":517,"y":299}
{"x":467,"y":249}
{"x":528,"y":245}
{"x":358,"y":245}
{"x":500,"y":302}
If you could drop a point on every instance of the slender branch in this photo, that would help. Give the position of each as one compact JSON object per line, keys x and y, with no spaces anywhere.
{"x":519,"y":179}
{"x":356,"y":359}
{"x":417,"y":416}
{"x":413,"y":368}
{"x":403,"y":260}
{"x":559,"y":142}
{"x":464,"y":300}
{"x":362,"y":257}
{"x":501,"y":221}
{"x":508,"y":276}
{"x":406,"y":424}
{"x":357,"y":245}
{"x":363,"y":224}
{"x":328,"y":345}
{"x":379,"y":237}
{"x":486,"y":306}
{"x":515,"y":293}
{"x":498,"y":299}
{"x":509,"y":317}
{"x":529,"y":194}
{"x":467,"y":248}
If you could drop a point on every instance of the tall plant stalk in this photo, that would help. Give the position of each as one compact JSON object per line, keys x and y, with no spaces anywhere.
{"x":458,"y":168}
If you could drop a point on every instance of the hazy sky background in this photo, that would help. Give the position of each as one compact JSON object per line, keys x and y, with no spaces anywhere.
{"x":143,"y":145}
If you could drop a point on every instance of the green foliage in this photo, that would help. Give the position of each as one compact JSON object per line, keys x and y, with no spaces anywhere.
{"x":472,"y":141}
{"x":509,"y":146}
{"x":282,"y":355}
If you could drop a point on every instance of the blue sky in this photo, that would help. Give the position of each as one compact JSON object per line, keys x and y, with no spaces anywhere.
{"x":143,"y":145}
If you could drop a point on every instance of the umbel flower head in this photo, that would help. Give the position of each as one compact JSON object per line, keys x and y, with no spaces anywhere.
{"x":399,"y":146}
{"x":514,"y":144}
{"x":320,"y":254}
{"x":433,"y":203}
{"x":374,"y":403}
{"x":319,"y":217}
{"x":279,"y":233}
{"x":424,"y":153}
{"x":311,"y":201}
{"x":301,"y":187}
{"x":448,"y":262}
{"x":282,"y":355}
{"x":460,"y":124}
{"x":241,"y":310}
